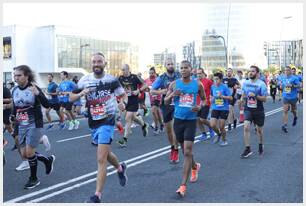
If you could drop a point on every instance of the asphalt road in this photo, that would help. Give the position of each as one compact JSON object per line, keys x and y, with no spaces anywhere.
{"x":224,"y":178}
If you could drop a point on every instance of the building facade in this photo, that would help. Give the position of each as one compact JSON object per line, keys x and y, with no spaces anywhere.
{"x":284,"y":53}
{"x":52,"y":49}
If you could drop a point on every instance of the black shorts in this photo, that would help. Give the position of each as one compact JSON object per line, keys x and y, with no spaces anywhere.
{"x":184,"y":130}
{"x":55,"y":106}
{"x":132,"y":104}
{"x":219,"y":114}
{"x":6,"y":116}
{"x":155,"y":103}
{"x":66,"y":105}
{"x":204,"y":111}
{"x":258,"y":117}
{"x":168,"y":112}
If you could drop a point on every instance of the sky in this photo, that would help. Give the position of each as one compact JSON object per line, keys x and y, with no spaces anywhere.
{"x":152,"y":26}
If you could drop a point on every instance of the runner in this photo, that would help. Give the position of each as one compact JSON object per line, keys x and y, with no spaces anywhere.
{"x":203,"y":113}
{"x":160,"y":86}
{"x":155,"y":103}
{"x":239,"y":94}
{"x":254,"y":94}
{"x":289,"y":85}
{"x":100,"y":90}
{"x":232,"y":84}
{"x":54,"y":104}
{"x":142,"y":98}
{"x":220,"y":98}
{"x":27,"y":99}
{"x":183,"y":92}
{"x":130,"y":83}
{"x":279,"y":80}
{"x":299,"y":89}
{"x":273,"y":87}
{"x":65,"y":87}
{"x":77,"y":105}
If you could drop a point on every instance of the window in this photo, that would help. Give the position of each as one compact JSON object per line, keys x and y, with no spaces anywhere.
{"x":7,"y":48}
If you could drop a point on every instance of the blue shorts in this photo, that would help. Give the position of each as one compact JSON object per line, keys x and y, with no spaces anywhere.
{"x":103,"y":134}
{"x":77,"y":103}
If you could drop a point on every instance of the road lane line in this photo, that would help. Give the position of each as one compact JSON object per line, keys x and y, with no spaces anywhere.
{"x":110,"y":167}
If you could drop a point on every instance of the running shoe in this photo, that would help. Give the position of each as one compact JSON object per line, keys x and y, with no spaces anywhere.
{"x":133,"y":125}
{"x":175,"y":156}
{"x":156,"y":131}
{"x":49,"y":165}
{"x":32,"y":182}
{"x":171,"y":155}
{"x":122,"y":142}
{"x":181,"y":191}
{"x":122,"y":175}
{"x":94,"y":199}
{"x":211,"y":133}
{"x":62,"y":125}
{"x":45,"y":141}
{"x":145,"y":129}
{"x":246,"y":153}
{"x":223,"y":143}
{"x":284,"y":128}
{"x":94,"y":143}
{"x":76,"y":124}
{"x":71,"y":125}
{"x":146,"y":112}
{"x":24,"y":165}
{"x":203,"y":137}
{"x":195,"y":173}
{"x":50,"y":126}
{"x":294,"y":121}
{"x":260,"y":149}
{"x":152,"y":125}
{"x":216,"y":139}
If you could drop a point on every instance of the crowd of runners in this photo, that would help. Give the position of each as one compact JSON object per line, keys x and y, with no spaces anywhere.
{"x":180,"y":102}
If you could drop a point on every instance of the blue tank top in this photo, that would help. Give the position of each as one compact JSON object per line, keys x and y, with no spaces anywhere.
{"x":184,"y":103}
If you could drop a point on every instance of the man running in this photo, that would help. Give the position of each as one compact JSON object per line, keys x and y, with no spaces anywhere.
{"x":27,"y":100}
{"x":142,"y":98}
{"x":54,"y":103}
{"x":232,"y":84}
{"x":220,"y":97}
{"x":254,"y":94}
{"x":300,"y":78}
{"x":289,"y":85}
{"x":239,"y":94}
{"x":155,"y":103}
{"x":203,"y":113}
{"x":66,"y":87}
{"x":160,"y":86}
{"x":273,"y":87}
{"x":279,"y":80}
{"x":130,"y":83}
{"x":183,"y":92}
{"x":100,"y":90}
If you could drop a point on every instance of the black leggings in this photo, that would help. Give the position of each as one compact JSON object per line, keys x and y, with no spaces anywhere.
{"x":273,"y":93}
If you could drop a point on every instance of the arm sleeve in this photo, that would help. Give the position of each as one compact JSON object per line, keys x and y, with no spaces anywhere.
{"x":42,"y":98}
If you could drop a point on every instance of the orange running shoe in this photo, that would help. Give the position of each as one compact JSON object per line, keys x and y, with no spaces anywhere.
{"x":181,"y":191}
{"x":194,"y":173}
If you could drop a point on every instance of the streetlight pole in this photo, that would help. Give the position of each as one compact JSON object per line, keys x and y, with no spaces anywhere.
{"x":280,"y":41}
{"x":81,"y":49}
{"x":225,"y":48}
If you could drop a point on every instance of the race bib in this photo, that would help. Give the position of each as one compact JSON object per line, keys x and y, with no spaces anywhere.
{"x":98,"y":112}
{"x":252,"y":101}
{"x":273,"y":86}
{"x":287,"y":89}
{"x":186,"y":100}
{"x":219,"y":102}
{"x":23,"y":118}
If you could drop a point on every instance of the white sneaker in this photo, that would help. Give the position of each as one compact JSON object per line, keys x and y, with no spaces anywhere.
{"x":24,"y":165}
{"x":71,"y":125}
{"x":45,"y":140}
{"x":133,"y":125}
{"x":76,"y":124}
